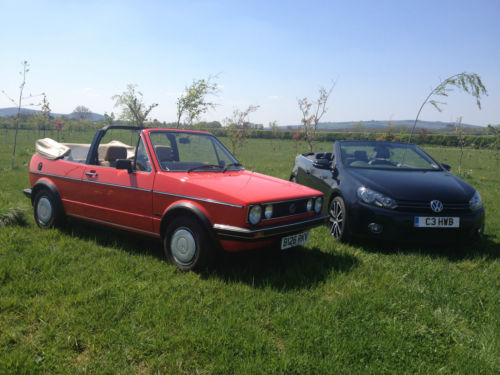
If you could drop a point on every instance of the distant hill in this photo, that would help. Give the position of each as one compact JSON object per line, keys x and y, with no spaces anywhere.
{"x":12,"y":111}
{"x":370,"y":125}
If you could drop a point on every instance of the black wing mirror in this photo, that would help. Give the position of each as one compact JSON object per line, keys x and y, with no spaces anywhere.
{"x":446,"y":166}
{"x":124,"y":164}
{"x":335,"y":172}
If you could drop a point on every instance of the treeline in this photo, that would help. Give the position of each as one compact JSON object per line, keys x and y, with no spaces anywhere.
{"x":421,"y":137}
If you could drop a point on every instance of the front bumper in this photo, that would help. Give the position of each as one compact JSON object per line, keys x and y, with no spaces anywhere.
{"x":399,"y":226}
{"x":27,"y":193}
{"x":228,"y":232}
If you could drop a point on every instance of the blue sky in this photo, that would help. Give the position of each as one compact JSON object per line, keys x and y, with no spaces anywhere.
{"x":385,"y":56}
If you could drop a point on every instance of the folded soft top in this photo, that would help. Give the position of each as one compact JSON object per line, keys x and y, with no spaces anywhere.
{"x":50,"y":149}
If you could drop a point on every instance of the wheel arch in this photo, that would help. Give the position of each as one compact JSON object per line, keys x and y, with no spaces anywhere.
{"x":187,"y":208}
{"x":48,"y":185}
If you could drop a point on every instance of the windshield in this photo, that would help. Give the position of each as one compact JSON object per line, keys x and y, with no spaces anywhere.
{"x":191,"y":152}
{"x":385,"y":155}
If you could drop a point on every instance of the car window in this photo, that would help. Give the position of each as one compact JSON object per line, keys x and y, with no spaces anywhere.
{"x":117,"y":144}
{"x":142,"y":162}
{"x":383,"y":155}
{"x":190,"y":151}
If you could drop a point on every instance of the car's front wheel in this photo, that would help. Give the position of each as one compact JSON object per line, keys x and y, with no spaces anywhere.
{"x":187,"y":244}
{"x":337,"y":221}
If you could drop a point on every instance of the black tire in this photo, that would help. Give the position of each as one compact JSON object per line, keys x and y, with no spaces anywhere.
{"x":47,"y":210}
{"x":337,"y":221}
{"x":187,"y":245}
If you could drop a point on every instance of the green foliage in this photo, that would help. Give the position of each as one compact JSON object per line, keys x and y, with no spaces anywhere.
{"x":468,"y":82}
{"x":193,"y":102}
{"x":133,"y":108}
{"x":14,"y":216}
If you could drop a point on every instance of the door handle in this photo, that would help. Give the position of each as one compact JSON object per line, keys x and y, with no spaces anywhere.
{"x":91,"y":174}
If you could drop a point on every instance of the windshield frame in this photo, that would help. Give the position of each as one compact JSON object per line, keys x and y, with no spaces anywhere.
{"x":217,"y":149}
{"x":434,"y":165}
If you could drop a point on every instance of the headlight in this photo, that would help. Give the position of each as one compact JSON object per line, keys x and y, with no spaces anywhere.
{"x":475,"y":202}
{"x":268,"y":212}
{"x":255,"y":214}
{"x":375,"y":198}
{"x":309,"y":205}
{"x":318,"y":203}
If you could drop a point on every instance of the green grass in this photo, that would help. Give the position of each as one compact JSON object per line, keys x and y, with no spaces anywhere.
{"x":87,"y":299}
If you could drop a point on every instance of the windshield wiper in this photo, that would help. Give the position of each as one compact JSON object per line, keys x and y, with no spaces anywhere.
{"x":231,"y":165}
{"x":205,"y":166}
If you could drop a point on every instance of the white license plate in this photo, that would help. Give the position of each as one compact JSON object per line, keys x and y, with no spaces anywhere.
{"x":436,"y":222}
{"x":294,"y":240}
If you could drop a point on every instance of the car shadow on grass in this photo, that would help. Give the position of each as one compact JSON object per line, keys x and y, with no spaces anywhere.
{"x":486,"y":247}
{"x":295,"y":268}
{"x":115,"y":238}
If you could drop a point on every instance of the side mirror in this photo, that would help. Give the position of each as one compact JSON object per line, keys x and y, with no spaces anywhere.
{"x":446,"y":166}
{"x":322,"y":163}
{"x":335,"y":172}
{"x":124,"y":164}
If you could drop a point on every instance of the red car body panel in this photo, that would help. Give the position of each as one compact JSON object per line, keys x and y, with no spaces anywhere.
{"x":139,"y":201}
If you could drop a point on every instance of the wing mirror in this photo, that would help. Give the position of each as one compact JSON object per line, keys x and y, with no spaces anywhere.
{"x":124,"y":164}
{"x":446,"y":166}
{"x":335,"y":172}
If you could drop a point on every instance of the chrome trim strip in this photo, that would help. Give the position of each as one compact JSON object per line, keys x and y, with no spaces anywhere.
{"x":118,"y":186}
{"x":55,"y":175}
{"x":199,"y":199}
{"x":140,"y":189}
{"x":113,"y":224}
{"x":231,"y":232}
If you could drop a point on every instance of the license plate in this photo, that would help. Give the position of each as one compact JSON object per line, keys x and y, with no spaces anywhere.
{"x":294,"y":240}
{"x":436,"y":222}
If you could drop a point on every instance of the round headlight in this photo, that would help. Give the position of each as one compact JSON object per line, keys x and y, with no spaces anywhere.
{"x":255,"y":214}
{"x":268,"y":211}
{"x":309,"y":205}
{"x":318,"y":203}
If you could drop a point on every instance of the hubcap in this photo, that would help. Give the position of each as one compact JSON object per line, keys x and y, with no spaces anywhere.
{"x":183,"y":246}
{"x":336,"y":220}
{"x":44,"y":210}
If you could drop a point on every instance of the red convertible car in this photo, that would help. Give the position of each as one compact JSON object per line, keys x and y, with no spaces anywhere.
{"x":181,"y":186}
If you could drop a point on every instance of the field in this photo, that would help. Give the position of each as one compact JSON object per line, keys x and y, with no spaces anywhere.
{"x":87,"y":299}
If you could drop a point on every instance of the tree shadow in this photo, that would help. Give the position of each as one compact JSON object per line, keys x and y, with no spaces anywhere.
{"x":486,"y":247}
{"x":292,"y":269}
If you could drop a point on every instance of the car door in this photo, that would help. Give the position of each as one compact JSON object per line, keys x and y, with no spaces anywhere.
{"x":117,"y":197}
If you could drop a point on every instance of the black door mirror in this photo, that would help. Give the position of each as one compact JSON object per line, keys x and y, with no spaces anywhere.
{"x":124,"y":164}
{"x":335,"y":172}
{"x":446,"y":166}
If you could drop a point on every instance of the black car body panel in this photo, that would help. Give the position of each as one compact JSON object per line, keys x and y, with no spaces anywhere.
{"x":412,"y":189}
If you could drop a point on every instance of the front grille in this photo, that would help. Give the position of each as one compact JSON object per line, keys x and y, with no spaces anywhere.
{"x":290,"y":208}
{"x":424,"y":207}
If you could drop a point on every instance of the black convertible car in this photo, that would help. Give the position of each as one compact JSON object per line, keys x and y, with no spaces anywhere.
{"x":393,"y":191}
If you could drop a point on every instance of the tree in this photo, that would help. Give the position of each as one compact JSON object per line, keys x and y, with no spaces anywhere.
{"x":133,"y":108}
{"x":45,"y":113}
{"x":19,"y":105}
{"x":81,"y":112}
{"x":193,"y":103}
{"x":469,"y":82}
{"x":310,"y":121}
{"x":237,"y":127}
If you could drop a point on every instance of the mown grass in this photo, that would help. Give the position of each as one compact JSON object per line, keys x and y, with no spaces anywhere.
{"x":87,"y":299}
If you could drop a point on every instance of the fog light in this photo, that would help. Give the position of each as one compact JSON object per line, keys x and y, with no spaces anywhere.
{"x":375,"y":228}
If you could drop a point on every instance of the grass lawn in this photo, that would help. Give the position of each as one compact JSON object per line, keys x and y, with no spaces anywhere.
{"x":88,"y":299}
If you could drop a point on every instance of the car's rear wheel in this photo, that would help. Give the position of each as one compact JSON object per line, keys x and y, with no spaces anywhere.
{"x":337,"y":221}
{"x":187,"y":244}
{"x":48,"y":211}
